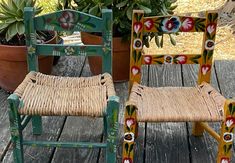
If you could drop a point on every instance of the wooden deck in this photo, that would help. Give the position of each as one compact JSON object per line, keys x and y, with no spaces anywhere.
{"x":157,"y":142}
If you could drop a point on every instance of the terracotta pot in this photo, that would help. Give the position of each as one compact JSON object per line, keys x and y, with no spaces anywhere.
{"x":121,"y":57}
{"x":13,"y":65}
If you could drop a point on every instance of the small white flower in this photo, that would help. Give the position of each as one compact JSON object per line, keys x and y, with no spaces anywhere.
{"x":229,"y":122}
{"x":129,"y":137}
{"x":137,"y":44}
{"x":209,"y":45}
{"x":228,"y":137}
{"x":211,"y":28}
{"x":168,"y":59}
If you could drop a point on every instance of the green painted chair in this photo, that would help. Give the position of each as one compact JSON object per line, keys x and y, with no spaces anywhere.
{"x":45,"y":95}
{"x":199,"y":104}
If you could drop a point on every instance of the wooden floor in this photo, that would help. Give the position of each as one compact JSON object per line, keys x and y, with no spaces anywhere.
{"x":157,"y":142}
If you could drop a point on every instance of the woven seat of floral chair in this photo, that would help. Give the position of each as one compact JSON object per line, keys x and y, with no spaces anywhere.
{"x":65,"y":95}
{"x":199,"y":104}
{"x":174,"y":104}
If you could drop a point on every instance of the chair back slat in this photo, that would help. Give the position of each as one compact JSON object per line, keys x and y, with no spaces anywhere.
{"x":68,"y":20}
{"x":69,"y":50}
{"x":172,"y":59}
{"x":172,"y":24}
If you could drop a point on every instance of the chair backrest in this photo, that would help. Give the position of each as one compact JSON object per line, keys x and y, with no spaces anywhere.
{"x":172,"y":24}
{"x":68,"y":20}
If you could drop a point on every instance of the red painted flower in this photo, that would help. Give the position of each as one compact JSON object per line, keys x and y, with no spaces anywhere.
{"x":130,"y":122}
{"x":127,"y":160}
{"x":230,"y":121}
{"x":225,"y":160}
{"x":149,"y":24}
{"x":135,"y":70}
{"x":137,"y":26}
{"x":148,"y":59}
{"x":181,"y":59}
{"x":205,"y":69}
{"x":211,"y":28}
{"x":66,"y":20}
{"x":187,"y":24}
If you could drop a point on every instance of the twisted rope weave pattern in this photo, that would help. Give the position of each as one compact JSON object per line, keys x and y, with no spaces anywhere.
{"x":174,"y":104}
{"x":53,"y":95}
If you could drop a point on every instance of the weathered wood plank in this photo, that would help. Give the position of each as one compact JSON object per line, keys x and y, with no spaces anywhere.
{"x":80,"y":129}
{"x":4,"y":123}
{"x":166,"y":142}
{"x":51,"y":125}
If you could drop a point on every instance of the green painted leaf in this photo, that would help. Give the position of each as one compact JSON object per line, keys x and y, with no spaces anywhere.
{"x":139,"y":56}
{"x":208,"y":35}
{"x":226,"y":128}
{"x":159,"y":62}
{"x":158,"y":56}
{"x":204,"y":56}
{"x":196,"y":57}
{"x":230,"y":106}
{"x":225,"y":148}
{"x":132,"y":110}
{"x":210,"y":17}
{"x":131,"y":148}
{"x":231,"y":130}
{"x":215,"y":16}
{"x":210,"y":54}
{"x":128,"y":110}
{"x":134,"y":55}
{"x":194,"y":61}
{"x":229,"y":148}
{"x":126,"y":147}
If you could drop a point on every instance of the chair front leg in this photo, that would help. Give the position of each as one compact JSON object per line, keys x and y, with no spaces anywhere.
{"x":15,"y":129}
{"x":226,"y":134}
{"x":112,"y":129}
{"x":130,"y":133}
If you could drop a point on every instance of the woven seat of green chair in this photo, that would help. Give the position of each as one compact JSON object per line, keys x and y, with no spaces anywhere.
{"x":174,"y":104}
{"x":65,"y":95}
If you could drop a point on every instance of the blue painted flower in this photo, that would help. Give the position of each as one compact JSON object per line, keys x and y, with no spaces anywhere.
{"x":171,"y":24}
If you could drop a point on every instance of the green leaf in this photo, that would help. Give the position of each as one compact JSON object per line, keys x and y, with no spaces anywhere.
{"x":159,"y":62}
{"x":195,"y":61}
{"x":11,"y":32}
{"x":196,"y":57}
{"x":225,"y":148}
{"x":134,"y":55}
{"x":128,"y":110}
{"x":146,"y":9}
{"x":158,"y":56}
{"x":122,"y":4}
{"x":20,"y":28}
{"x":204,"y":56}
{"x":231,"y":130}
{"x":94,"y":10}
{"x":229,"y":148}
{"x":131,"y":148}
{"x":210,"y":54}
{"x":173,"y":42}
{"x":230,"y":106}
{"x":161,"y":43}
{"x":132,"y":110}
{"x":129,"y":12}
{"x":139,"y":56}
{"x":157,"y":40}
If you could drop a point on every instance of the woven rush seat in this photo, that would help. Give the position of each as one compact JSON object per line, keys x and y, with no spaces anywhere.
{"x":52,"y":95}
{"x":170,"y":104}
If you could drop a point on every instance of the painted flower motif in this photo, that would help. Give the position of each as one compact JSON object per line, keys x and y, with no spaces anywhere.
{"x":225,"y":160}
{"x":31,"y":49}
{"x":148,"y":59}
{"x":181,"y":59}
{"x":187,"y":24}
{"x":209,"y":45}
{"x":129,"y":137}
{"x":66,"y":20}
{"x":228,"y":137}
{"x":130,"y":122}
{"x":171,"y":25}
{"x":135,"y":70}
{"x":137,"y":26}
{"x":168,"y":59}
{"x":211,"y":28}
{"x":137,"y":43}
{"x":69,"y":51}
{"x":205,"y":69}
{"x":127,"y":160}
{"x":230,"y":121}
{"x":149,"y":24}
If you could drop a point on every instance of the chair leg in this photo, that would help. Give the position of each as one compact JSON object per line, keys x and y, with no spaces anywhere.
{"x":197,"y":129}
{"x":130,"y":133}
{"x":112,"y":129}
{"x":37,"y":125}
{"x":226,"y":134}
{"x":15,"y":128}
{"x":105,"y":125}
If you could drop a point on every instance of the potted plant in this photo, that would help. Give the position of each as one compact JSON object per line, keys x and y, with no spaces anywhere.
{"x":13,"y":63}
{"x":122,"y":15}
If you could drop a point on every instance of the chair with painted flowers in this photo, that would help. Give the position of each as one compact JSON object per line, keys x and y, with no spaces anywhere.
{"x":46,"y":95}
{"x":199,"y":104}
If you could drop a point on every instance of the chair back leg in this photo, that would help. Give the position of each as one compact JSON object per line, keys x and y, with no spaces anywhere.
{"x":37,"y":125}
